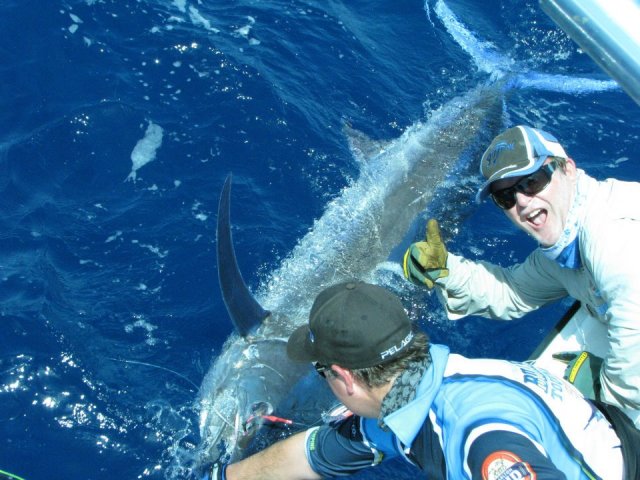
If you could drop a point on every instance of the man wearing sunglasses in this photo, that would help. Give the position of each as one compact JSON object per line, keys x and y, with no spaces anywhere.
{"x":587,"y":231}
{"x":449,"y":416}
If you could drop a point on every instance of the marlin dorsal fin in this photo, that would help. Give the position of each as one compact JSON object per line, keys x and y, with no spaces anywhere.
{"x":244,"y":310}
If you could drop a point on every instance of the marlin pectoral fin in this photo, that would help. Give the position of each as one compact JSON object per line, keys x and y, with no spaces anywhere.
{"x":245,"y":312}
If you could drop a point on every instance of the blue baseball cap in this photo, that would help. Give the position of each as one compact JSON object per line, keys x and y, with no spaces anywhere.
{"x":516,"y":152}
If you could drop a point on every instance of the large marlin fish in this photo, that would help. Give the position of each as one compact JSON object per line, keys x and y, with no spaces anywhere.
{"x":356,"y":233}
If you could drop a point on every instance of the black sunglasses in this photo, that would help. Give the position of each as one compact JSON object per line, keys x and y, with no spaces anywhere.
{"x":321,"y":369}
{"x":530,"y":185}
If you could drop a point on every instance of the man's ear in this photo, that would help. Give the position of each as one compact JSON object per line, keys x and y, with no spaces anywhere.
{"x":570,"y":166}
{"x":346,"y":376}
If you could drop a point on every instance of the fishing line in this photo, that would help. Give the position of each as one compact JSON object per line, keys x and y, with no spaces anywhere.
{"x":273,"y":369}
{"x":137,"y":362}
{"x":219,"y":414}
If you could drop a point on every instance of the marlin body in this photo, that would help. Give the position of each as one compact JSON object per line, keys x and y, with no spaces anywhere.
{"x":353,"y":237}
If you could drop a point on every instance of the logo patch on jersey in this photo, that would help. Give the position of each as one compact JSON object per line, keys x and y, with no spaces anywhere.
{"x":503,"y":465}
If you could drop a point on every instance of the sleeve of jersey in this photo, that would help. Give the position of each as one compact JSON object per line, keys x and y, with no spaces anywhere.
{"x":502,"y":455}
{"x":482,"y":288}
{"x":340,"y":449}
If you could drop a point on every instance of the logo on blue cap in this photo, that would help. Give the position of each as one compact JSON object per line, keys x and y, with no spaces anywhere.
{"x":499,"y":147}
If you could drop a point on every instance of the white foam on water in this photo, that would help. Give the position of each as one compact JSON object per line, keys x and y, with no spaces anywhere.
{"x":180,"y":5}
{"x":145,"y":149}
{"x":488,"y":59}
{"x":484,"y":54}
{"x":198,"y":19}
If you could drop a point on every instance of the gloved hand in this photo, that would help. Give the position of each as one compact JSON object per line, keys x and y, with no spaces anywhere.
{"x":583,"y":371}
{"x":215,"y":471}
{"x":425,"y":262}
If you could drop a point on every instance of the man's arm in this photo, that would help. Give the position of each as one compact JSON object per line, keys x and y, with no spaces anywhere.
{"x":497,"y":455}
{"x":281,"y":461}
{"x":482,"y":288}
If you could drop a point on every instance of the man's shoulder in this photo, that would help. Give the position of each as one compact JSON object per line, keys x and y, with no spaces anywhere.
{"x":612,"y":207}
{"x":613,"y":199}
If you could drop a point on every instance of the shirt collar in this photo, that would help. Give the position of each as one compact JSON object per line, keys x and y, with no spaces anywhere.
{"x":407,"y":421}
{"x":566,"y":251}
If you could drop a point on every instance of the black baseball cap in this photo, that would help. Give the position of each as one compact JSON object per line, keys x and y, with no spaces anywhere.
{"x":354,"y":325}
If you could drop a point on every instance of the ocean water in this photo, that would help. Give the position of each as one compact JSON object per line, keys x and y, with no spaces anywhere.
{"x":120,"y":121}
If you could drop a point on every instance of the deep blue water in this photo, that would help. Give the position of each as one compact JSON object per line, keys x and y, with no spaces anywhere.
{"x":110,"y":310}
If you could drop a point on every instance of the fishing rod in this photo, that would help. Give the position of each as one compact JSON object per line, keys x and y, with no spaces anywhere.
{"x":9,"y":476}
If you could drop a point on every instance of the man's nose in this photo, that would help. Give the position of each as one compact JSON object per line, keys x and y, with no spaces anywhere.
{"x":522,"y":199}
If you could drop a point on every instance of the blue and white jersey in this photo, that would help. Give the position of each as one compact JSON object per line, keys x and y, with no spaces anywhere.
{"x":481,"y":419}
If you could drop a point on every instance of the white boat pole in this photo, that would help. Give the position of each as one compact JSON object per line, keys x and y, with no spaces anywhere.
{"x":607,"y":30}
